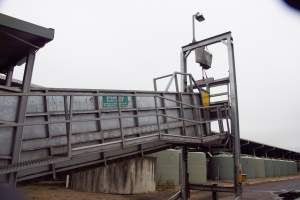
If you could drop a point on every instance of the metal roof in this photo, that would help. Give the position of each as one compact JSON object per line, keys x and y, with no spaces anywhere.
{"x":260,"y":149}
{"x":18,"y":83}
{"x":17,"y":38}
{"x":254,"y":148}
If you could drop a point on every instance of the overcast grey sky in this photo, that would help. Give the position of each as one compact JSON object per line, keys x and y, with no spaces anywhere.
{"x":121,"y":44}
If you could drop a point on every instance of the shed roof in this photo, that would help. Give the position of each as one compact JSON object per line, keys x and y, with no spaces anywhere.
{"x":17,"y":38}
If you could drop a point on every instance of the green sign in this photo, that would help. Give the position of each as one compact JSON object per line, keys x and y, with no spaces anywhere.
{"x":112,"y":101}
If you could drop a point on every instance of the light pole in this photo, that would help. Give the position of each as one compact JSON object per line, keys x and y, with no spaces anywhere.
{"x":199,"y":17}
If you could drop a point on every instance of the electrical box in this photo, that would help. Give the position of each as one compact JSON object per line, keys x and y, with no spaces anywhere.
{"x":203,"y":57}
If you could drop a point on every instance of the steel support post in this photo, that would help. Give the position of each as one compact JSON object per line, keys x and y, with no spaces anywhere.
{"x":99,"y":122}
{"x":136,"y":119}
{"x":21,"y":114}
{"x":235,"y":130}
{"x":28,"y":72}
{"x":9,"y":76}
{"x":183,"y":69}
{"x":233,"y":94}
{"x":164,"y":111}
{"x":214,"y":195}
{"x":68,"y":116}
{"x":184,"y":174}
{"x":120,"y":121}
{"x":49,"y":132}
{"x":157,"y":116}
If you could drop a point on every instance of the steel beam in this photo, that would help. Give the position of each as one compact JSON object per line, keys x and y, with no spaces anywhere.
{"x":207,"y":41}
{"x":21,"y":114}
{"x":235,"y":129}
{"x":183,"y":69}
{"x":184,"y":174}
{"x":20,"y":25}
{"x":49,"y":133}
{"x":9,"y":77}
{"x":212,"y":187}
{"x":28,"y":72}
{"x":224,"y":37}
{"x":121,"y":155}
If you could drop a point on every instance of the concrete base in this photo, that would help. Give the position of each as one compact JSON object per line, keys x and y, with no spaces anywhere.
{"x":126,"y":177}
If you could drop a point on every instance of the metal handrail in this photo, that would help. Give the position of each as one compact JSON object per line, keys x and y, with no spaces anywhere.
{"x":94,"y":119}
{"x":192,"y":106}
{"x":174,"y":76}
{"x":13,"y":124}
{"x":79,"y":94}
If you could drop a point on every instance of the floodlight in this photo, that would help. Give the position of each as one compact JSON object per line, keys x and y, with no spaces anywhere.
{"x":199,"y":17}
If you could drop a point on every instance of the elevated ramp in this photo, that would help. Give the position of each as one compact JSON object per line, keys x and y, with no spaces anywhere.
{"x":69,"y":129}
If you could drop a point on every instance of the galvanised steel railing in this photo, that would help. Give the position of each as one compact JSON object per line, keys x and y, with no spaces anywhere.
{"x":52,"y":109}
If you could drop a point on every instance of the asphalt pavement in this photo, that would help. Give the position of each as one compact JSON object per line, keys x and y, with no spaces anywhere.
{"x":287,"y":190}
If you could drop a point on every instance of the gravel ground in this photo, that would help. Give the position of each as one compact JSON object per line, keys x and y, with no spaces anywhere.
{"x":58,"y":192}
{"x":253,"y":190}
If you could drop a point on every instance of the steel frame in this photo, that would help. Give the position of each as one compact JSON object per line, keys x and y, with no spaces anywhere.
{"x":123,"y":138}
{"x":160,"y":133}
{"x":234,"y":116}
{"x":21,"y":114}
